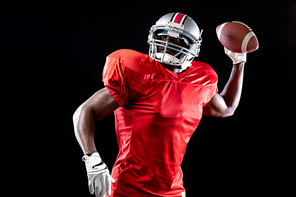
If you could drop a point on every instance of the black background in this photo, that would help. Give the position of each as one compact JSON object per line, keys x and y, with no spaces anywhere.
{"x":52,"y":56}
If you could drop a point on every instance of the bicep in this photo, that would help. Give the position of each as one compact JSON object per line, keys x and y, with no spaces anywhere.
{"x":101,"y":104}
{"x":217,"y":107}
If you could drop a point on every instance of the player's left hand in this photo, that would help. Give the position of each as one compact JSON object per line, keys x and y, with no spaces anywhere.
{"x":236,"y":57}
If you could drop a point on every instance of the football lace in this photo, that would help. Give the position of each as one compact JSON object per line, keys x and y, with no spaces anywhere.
{"x":242,"y":24}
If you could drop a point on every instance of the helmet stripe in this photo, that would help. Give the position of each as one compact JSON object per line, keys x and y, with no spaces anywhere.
{"x":179,"y":18}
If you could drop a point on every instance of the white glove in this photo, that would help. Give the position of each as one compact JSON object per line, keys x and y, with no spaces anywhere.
{"x":99,"y":178}
{"x":236,"y":57}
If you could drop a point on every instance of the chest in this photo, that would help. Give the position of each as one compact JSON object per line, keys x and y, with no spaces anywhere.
{"x":169,"y":98}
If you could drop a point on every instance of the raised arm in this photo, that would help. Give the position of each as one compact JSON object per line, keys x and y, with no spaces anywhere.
{"x":225,"y":103}
{"x":97,"y":107}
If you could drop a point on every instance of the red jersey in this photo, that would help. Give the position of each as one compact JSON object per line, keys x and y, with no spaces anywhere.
{"x":159,"y":111}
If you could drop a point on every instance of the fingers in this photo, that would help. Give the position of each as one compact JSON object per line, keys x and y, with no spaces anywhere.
{"x":91,"y":188}
{"x":97,"y":186}
{"x":101,"y":187}
{"x":227,"y":51}
{"x":112,"y":180}
{"x":91,"y":184}
{"x":236,"y":57}
{"x":108,"y":186}
{"x":109,"y":179}
{"x":100,"y":184}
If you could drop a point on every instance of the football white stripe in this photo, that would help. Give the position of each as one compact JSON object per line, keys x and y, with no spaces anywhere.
{"x":220,"y":29}
{"x":246,"y":41}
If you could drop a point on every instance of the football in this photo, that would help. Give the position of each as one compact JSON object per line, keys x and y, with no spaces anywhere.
{"x":237,"y":37}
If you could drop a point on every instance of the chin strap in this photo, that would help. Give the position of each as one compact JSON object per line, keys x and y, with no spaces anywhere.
{"x":167,"y":58}
{"x":185,"y":65}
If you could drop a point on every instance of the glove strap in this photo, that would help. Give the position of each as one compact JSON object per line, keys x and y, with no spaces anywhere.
{"x":94,"y":163}
{"x":85,"y":158}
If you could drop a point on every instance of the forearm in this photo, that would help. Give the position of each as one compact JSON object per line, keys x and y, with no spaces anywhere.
{"x":83,"y":120}
{"x":97,"y":107}
{"x":233,"y":88}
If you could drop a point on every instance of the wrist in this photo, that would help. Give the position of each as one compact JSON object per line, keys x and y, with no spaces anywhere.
{"x":94,"y":163}
{"x":240,"y":64}
{"x":95,"y":153}
{"x":90,"y":153}
{"x":94,"y":156}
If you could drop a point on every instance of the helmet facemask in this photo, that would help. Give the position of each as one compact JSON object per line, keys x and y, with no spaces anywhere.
{"x":164,"y":51}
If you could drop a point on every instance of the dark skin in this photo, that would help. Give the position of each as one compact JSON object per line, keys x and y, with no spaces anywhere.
{"x":177,"y":41}
{"x":102,"y":103}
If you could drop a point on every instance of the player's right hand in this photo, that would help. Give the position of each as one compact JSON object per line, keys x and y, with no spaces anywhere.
{"x":99,"y":178}
{"x":236,"y":57}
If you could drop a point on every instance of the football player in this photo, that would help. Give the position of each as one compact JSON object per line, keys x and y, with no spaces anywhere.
{"x":158,"y":100}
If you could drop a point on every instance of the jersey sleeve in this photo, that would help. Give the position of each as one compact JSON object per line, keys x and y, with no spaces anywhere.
{"x":212,"y":85}
{"x":208,"y":78}
{"x":115,"y":80}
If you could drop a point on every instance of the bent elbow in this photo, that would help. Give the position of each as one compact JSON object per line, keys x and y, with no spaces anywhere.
{"x":76,"y":114}
{"x":229,"y":113}
{"x":80,"y":114}
{"x":226,"y":115}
